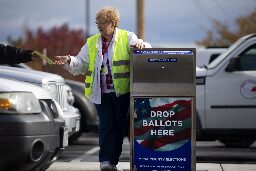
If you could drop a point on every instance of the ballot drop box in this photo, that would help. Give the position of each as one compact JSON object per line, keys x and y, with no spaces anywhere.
{"x":162,"y":109}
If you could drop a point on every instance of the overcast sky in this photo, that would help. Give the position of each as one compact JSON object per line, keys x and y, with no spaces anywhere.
{"x":166,"y":21}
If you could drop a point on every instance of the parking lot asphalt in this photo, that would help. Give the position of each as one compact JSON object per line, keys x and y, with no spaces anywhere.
{"x":125,"y":166}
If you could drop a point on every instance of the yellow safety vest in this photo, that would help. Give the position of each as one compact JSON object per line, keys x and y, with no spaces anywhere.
{"x":120,"y":63}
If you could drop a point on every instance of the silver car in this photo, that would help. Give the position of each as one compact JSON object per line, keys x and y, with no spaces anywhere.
{"x":54,"y":84}
{"x":31,"y":131}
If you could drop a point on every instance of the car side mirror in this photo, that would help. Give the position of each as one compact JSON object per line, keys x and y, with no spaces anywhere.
{"x":233,"y":65}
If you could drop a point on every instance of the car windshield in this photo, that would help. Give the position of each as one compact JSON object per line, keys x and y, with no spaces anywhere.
{"x":220,"y":58}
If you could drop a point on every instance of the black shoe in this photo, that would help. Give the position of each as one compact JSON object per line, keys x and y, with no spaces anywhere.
{"x":113,"y":167}
{"x":105,"y":166}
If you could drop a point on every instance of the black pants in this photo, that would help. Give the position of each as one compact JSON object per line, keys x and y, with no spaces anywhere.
{"x":113,"y":114}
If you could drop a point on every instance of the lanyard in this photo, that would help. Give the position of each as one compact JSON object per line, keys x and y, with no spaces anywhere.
{"x":104,"y":69}
{"x":105,"y":48}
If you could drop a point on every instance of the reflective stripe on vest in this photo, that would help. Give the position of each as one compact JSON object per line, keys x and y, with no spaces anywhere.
{"x":120,"y":63}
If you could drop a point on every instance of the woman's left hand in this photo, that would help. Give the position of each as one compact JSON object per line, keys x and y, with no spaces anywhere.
{"x":139,"y":45}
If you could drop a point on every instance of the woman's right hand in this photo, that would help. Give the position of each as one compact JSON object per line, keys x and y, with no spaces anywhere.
{"x":62,"y":59}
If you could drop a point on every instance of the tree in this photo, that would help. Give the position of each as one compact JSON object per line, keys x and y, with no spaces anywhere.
{"x":221,"y":35}
{"x":56,"y":41}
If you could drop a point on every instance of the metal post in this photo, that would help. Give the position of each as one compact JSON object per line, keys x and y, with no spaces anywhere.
{"x":140,"y":19}
{"x":87,"y":18}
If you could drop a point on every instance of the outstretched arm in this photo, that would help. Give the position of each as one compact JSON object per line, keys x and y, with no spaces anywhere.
{"x":75,"y":64}
{"x":13,"y":55}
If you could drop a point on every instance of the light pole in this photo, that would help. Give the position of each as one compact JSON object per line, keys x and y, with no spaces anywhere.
{"x":87,"y":17}
{"x":140,"y":19}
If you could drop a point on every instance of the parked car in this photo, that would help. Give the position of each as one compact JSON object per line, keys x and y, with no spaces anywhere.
{"x":89,"y":116}
{"x":54,"y":84}
{"x":226,"y":96}
{"x":31,"y":132}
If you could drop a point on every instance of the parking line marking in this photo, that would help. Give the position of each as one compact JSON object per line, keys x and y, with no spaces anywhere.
{"x":91,"y":151}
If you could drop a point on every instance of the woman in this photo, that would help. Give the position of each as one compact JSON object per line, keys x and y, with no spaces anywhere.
{"x":105,"y":60}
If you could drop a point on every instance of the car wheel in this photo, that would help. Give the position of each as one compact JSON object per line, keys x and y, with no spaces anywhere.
{"x":74,"y":137}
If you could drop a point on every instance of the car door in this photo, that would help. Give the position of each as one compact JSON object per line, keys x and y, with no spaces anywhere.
{"x":231,"y":94}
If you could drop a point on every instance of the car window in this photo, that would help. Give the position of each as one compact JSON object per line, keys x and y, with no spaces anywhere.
{"x":222,"y":56}
{"x":213,"y":57}
{"x":248,"y":59}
